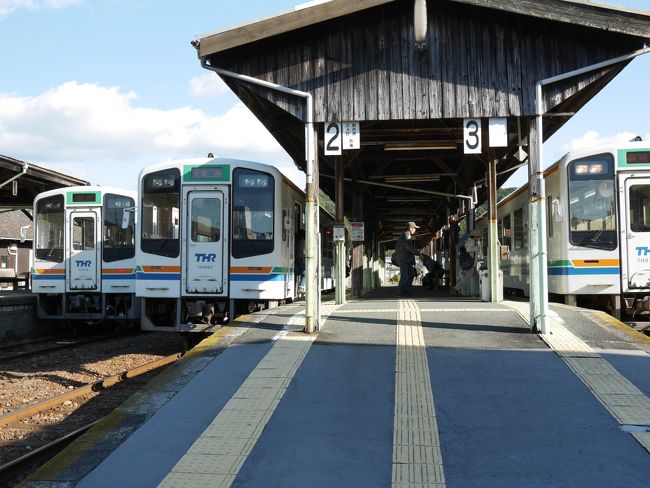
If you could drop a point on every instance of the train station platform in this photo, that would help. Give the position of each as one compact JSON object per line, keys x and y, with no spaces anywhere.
{"x":431,"y":391}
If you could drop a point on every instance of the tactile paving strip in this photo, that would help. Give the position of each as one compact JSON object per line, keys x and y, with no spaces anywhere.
{"x":624,"y":401}
{"x":417,"y":461}
{"x":218,"y":454}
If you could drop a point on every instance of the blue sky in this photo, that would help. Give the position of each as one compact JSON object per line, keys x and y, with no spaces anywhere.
{"x":100,"y":88}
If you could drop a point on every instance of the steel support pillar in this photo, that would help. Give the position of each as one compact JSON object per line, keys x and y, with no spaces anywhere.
{"x":493,"y":245}
{"x":339,"y":246}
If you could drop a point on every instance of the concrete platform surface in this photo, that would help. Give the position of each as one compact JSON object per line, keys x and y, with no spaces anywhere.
{"x":431,"y":391}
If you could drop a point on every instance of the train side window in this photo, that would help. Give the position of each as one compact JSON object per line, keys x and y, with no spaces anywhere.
{"x":49,"y":229}
{"x":160,"y":213}
{"x":253,"y":215}
{"x":518,"y":218}
{"x":549,"y":215}
{"x":119,"y":228}
{"x":640,"y":208}
{"x":506,"y":234}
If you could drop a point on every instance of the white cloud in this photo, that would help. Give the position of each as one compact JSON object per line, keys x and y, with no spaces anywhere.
{"x":592,"y":138}
{"x":9,"y":6}
{"x":100,"y":134}
{"x":208,"y":85}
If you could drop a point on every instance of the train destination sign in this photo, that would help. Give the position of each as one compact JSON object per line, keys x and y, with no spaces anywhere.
{"x":637,"y":157}
{"x":206,"y":172}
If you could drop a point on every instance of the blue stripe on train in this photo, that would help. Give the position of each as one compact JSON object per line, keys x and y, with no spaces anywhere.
{"x":564,"y":271}
{"x":118,"y":276}
{"x":48,"y":277}
{"x":257,"y":277}
{"x":158,"y":276}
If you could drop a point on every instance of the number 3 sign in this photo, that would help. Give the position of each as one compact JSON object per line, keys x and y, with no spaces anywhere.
{"x":472,"y":136}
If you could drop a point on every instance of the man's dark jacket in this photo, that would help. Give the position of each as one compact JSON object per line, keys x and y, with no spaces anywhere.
{"x":406,"y":250}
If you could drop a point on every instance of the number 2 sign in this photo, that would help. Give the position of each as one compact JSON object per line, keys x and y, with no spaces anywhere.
{"x":333,"y":139}
{"x":472,"y":136}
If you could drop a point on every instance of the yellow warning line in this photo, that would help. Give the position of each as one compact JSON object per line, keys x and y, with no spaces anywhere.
{"x":624,"y":401}
{"x":217,"y":455}
{"x":417,"y":460}
{"x":626,"y":329}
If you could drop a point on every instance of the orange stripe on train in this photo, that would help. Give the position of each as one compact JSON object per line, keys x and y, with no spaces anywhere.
{"x":161,"y":269}
{"x":583,"y":263}
{"x":250,"y":269}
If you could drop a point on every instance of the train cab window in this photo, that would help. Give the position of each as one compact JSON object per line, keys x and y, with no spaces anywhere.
{"x":592,"y":213}
{"x":206,"y":220}
{"x":119,"y":228}
{"x":639,"y":208}
{"x":161,"y":213}
{"x":252,"y":213}
{"x":49,"y":229}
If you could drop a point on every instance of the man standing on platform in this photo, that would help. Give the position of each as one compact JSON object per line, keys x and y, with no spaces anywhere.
{"x":406,"y":252}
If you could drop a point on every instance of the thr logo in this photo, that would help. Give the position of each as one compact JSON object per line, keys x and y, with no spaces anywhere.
{"x":205,"y":258}
{"x":83,"y":263}
{"x":642,"y":251}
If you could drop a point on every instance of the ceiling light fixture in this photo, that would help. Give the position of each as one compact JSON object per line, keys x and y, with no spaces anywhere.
{"x":411,"y":178}
{"x":420,"y":146}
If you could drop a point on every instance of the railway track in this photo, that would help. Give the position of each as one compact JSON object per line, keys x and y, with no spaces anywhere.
{"x":40,"y":347}
{"x":47,"y":401}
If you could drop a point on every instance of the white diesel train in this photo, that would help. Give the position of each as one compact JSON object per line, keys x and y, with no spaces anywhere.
{"x":84,"y":254}
{"x":598,"y":225}
{"x":217,"y":237}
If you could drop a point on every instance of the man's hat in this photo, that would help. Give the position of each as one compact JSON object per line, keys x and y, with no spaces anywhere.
{"x":412,"y":224}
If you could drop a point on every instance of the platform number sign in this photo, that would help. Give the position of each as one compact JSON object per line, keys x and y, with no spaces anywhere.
{"x":472,"y":136}
{"x":333,"y":139}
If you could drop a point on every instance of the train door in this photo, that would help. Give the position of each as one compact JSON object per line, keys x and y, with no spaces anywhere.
{"x":635,"y":220}
{"x":83,"y":253}
{"x":205,"y":265}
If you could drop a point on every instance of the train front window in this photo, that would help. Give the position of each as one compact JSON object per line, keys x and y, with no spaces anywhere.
{"x":592,"y":212}
{"x":161,"y":213}
{"x":640,"y":208}
{"x":252,"y":213}
{"x":49,"y":229}
{"x":206,"y":220}
{"x":119,"y":228}
{"x":83,"y":234}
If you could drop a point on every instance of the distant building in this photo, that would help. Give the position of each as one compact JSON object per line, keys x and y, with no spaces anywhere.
{"x":15,"y":254}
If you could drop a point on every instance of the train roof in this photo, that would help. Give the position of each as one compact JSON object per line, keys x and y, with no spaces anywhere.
{"x":87,"y":189}
{"x":603,"y":148}
{"x":577,"y":154}
{"x":179,"y":163}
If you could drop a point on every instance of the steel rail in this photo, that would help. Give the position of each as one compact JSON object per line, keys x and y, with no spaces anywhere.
{"x":49,"y":403}
{"x":50,"y":349}
{"x":14,"y":463}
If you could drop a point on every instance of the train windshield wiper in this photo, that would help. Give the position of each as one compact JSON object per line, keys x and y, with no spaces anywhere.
{"x":591,"y":243}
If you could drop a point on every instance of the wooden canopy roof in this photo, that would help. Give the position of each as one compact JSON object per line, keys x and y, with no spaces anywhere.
{"x":482,"y":59}
{"x":35,"y":180}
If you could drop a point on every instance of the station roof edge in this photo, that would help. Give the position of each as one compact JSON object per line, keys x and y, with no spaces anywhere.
{"x":300,"y":17}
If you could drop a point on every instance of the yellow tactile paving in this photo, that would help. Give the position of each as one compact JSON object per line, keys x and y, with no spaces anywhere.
{"x":224,"y":445}
{"x":417,"y":461}
{"x":218,"y":454}
{"x":624,"y":401}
